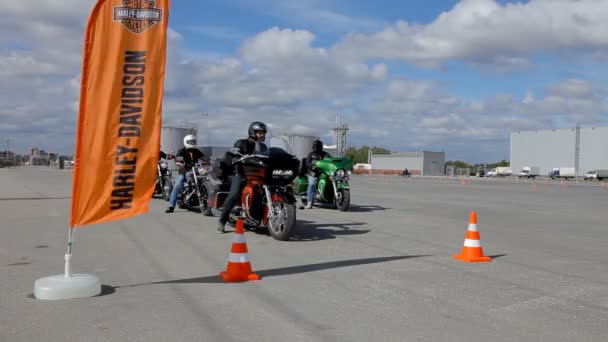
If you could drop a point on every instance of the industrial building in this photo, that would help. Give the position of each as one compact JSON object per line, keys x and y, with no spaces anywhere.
{"x":584,"y":149}
{"x":39,"y":157}
{"x":423,"y":163}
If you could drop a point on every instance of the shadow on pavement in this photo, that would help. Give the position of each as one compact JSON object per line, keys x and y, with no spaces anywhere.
{"x":285,"y":270}
{"x":355,"y":208}
{"x":313,"y":231}
{"x":496,"y":256}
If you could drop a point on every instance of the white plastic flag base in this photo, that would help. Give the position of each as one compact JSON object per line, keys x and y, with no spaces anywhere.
{"x":62,"y":287}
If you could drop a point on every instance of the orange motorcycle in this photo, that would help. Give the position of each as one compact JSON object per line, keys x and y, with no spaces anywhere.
{"x":267,"y":199}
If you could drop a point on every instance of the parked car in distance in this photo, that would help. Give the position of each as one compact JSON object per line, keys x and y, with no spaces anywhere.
{"x":562,"y":172}
{"x":529,"y":172}
{"x":596,"y":174}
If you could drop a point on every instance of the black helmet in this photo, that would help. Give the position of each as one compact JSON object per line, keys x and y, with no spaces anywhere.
{"x":317,"y":146}
{"x":256,"y":126}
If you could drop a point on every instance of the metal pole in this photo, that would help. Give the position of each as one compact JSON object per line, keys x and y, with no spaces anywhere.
{"x":68,"y":256}
{"x":577,"y":148}
{"x":202,"y":130}
{"x":205,"y":129}
{"x":207,"y":132}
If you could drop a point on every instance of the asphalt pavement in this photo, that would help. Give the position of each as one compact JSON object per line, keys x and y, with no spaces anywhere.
{"x":381,"y":272}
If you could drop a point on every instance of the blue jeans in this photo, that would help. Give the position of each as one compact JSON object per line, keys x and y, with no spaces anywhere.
{"x":177,"y":188}
{"x":312,"y":189}
{"x":237,"y":183}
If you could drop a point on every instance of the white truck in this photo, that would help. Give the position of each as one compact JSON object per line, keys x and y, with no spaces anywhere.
{"x":529,"y":172}
{"x":596,"y":174}
{"x":562,"y":172}
{"x":500,"y":171}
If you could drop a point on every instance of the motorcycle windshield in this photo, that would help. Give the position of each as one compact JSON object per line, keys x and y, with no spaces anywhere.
{"x":333,"y":164}
{"x":260,"y":149}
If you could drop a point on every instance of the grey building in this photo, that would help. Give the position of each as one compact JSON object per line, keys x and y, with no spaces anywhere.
{"x":424,"y":163}
{"x":581,"y":148}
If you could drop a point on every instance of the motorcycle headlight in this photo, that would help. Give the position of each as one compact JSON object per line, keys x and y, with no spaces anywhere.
{"x":163,"y":165}
{"x":340,"y":173}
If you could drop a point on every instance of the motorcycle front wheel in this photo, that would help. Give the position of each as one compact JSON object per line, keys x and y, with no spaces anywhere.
{"x":282,"y":224}
{"x":208,"y":211}
{"x":202,"y":196}
{"x":167,"y":190}
{"x":343,"y":200}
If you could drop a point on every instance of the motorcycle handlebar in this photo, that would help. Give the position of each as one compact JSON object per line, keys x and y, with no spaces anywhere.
{"x":249,"y":156}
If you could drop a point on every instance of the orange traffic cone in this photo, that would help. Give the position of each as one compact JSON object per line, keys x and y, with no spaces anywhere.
{"x":472,"y":251}
{"x":239,"y":267}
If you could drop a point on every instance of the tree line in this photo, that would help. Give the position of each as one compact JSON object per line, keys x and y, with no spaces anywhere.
{"x":361,"y":154}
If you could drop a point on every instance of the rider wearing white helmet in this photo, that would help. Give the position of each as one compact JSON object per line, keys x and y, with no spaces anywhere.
{"x":184,"y":159}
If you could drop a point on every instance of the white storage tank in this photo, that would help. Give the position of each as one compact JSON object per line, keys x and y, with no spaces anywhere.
{"x":296,"y":144}
{"x":172,"y":137}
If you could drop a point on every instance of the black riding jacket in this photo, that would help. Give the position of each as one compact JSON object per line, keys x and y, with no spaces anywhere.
{"x":312,"y":158}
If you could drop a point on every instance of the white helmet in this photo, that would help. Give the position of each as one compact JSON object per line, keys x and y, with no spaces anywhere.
{"x":190,"y":141}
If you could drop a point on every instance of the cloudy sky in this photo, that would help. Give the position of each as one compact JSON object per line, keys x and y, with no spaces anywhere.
{"x":439,"y":75}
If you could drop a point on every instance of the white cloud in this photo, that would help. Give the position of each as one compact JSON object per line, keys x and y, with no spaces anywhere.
{"x":572,"y":88}
{"x":276,"y":45}
{"x":484,"y":32}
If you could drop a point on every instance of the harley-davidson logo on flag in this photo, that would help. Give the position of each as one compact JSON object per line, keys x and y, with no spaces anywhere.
{"x":138,"y":15}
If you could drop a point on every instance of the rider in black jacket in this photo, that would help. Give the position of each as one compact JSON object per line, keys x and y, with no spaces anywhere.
{"x":313,"y":175}
{"x":257,"y":132}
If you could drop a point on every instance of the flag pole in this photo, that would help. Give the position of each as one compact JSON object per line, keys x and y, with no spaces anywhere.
{"x":68,"y":255}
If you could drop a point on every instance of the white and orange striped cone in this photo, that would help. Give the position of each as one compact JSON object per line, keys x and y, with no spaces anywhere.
{"x":239,"y":266}
{"x":471,"y":250}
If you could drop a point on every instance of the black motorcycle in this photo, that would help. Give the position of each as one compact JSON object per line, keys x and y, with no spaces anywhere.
{"x":164,"y":182}
{"x":193,"y":193}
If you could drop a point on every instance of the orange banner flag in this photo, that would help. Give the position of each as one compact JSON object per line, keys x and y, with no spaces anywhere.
{"x":119,"y":119}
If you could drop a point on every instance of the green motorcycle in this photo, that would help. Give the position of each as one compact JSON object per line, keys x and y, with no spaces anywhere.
{"x":332,"y":186}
